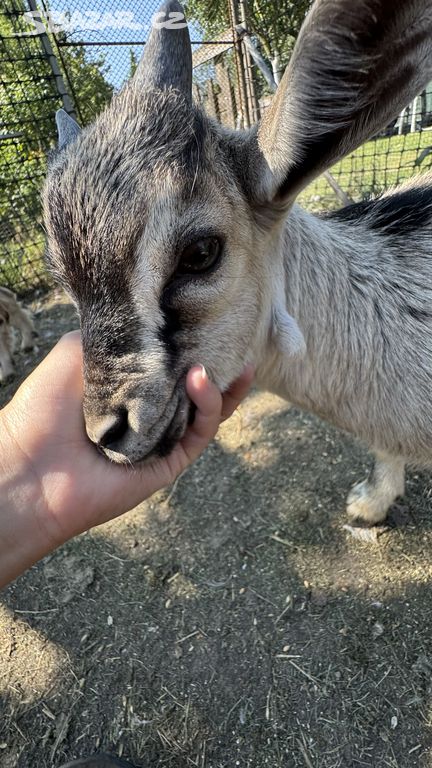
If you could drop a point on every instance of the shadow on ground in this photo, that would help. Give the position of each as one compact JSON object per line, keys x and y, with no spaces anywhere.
{"x":230,"y":620}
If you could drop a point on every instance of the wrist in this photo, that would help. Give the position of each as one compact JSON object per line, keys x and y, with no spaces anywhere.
{"x":24,"y":534}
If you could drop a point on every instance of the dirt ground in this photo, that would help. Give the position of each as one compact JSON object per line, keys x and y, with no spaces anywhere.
{"x":231,"y":620}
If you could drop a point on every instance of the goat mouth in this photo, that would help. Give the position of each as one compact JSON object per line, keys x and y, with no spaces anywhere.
{"x":172,"y":434}
{"x":165,"y":443}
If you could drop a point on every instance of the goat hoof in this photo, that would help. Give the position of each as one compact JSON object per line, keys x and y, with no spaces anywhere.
{"x":361,"y":504}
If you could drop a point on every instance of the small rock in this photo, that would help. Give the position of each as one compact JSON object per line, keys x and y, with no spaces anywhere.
{"x":377,"y":630}
{"x":319,"y":598}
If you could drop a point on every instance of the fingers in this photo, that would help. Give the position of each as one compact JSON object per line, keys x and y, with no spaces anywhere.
{"x":237,"y":392}
{"x":208,"y":401}
{"x":211,"y":407}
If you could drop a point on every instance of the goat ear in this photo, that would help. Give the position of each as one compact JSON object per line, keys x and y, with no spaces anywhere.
{"x":6,"y":294}
{"x":7,"y":299}
{"x":68,"y":129}
{"x":167,"y":58}
{"x":356,"y":64}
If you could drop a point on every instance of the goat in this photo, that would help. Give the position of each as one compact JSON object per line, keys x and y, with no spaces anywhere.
{"x":13,"y":315}
{"x":180,"y":240}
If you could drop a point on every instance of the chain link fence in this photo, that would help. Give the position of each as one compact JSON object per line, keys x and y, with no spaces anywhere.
{"x":28,"y":98}
{"x":77,"y":59}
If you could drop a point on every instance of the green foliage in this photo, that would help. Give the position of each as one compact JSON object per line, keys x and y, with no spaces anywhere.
{"x":29,"y":99}
{"x":275,"y":23}
{"x":86,"y":75}
{"x":133,"y":63}
{"x":212,"y":16}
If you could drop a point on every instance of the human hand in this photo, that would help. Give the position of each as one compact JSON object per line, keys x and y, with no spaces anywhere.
{"x":50,"y":471}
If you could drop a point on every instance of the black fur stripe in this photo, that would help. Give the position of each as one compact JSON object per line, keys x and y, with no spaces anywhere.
{"x":396,"y":215}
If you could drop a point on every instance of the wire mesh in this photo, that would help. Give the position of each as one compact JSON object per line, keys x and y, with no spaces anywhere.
{"x":86,"y":54}
{"x":391,"y":158}
{"x":28,"y":98}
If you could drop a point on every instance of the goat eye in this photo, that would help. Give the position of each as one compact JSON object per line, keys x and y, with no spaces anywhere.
{"x":200,"y":257}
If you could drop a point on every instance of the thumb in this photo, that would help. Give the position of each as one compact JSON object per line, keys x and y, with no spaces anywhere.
{"x":59,"y":374}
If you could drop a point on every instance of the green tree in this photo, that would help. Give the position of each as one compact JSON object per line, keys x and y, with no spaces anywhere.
{"x":29,"y":99}
{"x":133,"y":63}
{"x":275,"y":23}
{"x":86,"y":77}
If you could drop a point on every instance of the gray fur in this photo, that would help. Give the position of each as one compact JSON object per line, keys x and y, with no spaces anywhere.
{"x":68,"y":129}
{"x":333,"y":312}
{"x":167,"y":59}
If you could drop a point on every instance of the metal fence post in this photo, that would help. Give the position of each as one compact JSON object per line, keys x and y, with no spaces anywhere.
{"x":240,"y":65}
{"x":68,"y":105}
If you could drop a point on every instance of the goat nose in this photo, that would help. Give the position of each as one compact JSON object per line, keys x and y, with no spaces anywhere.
{"x":110,"y":429}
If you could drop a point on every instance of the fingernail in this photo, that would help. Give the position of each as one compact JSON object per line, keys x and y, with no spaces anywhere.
{"x":203,"y":373}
